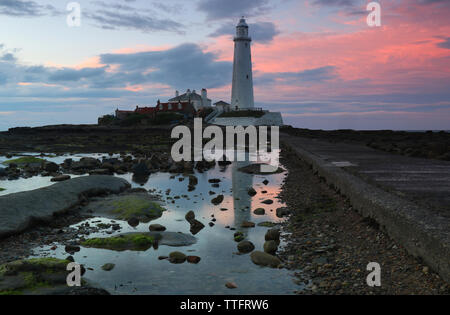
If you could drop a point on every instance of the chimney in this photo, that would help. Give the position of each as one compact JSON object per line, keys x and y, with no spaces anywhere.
{"x":204,"y":94}
{"x":177,"y":93}
{"x":188,"y":92}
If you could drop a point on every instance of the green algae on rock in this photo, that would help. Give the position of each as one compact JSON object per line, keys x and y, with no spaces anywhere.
{"x":32,"y":275}
{"x":22,"y":161}
{"x":135,"y":207}
{"x":141,"y":206}
{"x":132,"y":241}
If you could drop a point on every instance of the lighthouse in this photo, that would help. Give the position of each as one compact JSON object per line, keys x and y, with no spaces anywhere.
{"x":242,"y":90}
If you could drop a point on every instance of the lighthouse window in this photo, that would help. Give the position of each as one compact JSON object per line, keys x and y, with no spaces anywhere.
{"x":247,"y":76}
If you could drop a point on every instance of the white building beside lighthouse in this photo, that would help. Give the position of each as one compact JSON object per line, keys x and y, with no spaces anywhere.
{"x":242,"y":90}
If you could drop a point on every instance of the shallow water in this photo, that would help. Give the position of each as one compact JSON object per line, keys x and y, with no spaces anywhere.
{"x":142,"y":272}
{"x":27,"y":184}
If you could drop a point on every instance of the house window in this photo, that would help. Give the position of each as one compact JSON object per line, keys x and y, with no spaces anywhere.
{"x":161,"y":107}
{"x":180,"y":106}
{"x":169,"y":107}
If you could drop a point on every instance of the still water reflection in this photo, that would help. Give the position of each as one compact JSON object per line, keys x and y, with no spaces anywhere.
{"x":143,"y":273}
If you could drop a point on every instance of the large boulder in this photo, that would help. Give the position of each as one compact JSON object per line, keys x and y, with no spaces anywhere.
{"x":128,"y":206}
{"x":141,"y":169}
{"x":245,"y":247}
{"x":51,"y":167}
{"x":265,"y":259}
{"x":86,"y":163}
{"x":21,"y":210}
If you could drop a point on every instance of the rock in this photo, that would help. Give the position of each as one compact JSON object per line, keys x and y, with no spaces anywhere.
{"x":3,"y":172}
{"x":130,"y":241}
{"x":268,"y":202}
{"x":140,"y":169}
{"x":231,"y":285}
{"x":37,"y":276}
{"x":270,"y":247}
{"x":265,"y":259}
{"x":133,"y":222}
{"x":266,"y":182}
{"x":72,"y":249}
{"x":283,"y":211}
{"x":21,"y":210}
{"x":247,"y":224}
{"x":126,"y":206}
{"x":51,"y":167}
{"x":193,"y":180}
{"x":267,"y":224}
{"x":157,"y":228}
{"x":255,"y":169}
{"x":239,"y":236}
{"x":214,"y":181}
{"x":251,"y":191}
{"x":60,"y":178}
{"x":190,"y":216}
{"x":108,"y":267}
{"x":272,"y":235}
{"x":100,"y":171}
{"x":177,"y":257}
{"x":259,"y":211}
{"x":193,"y":259}
{"x":86,"y":163}
{"x":196,"y":226}
{"x":218,"y":200}
{"x":245,"y":247}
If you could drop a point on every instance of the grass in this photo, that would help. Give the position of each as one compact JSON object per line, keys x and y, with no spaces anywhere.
{"x":133,"y":207}
{"x":22,"y":161}
{"x":242,"y":113}
{"x":2,"y":189}
{"x":31,"y":271}
{"x":137,"y":241}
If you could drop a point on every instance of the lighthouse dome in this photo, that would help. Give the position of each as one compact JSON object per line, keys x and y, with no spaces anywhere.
{"x":242,"y":23}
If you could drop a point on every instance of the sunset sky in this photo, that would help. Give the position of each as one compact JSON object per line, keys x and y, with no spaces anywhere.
{"x":316,"y":61}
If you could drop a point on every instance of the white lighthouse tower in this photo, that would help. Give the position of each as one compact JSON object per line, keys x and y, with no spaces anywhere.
{"x":242,"y":91}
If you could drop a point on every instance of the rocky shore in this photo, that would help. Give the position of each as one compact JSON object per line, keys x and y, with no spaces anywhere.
{"x":429,"y":144}
{"x":330,"y":244}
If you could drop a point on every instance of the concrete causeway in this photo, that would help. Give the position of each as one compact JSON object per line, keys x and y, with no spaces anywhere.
{"x":408,"y":197}
{"x":20,"y":211}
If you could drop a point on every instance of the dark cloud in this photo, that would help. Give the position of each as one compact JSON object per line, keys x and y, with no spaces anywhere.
{"x":336,"y":3}
{"x":182,"y":66}
{"x":220,"y":9}
{"x":26,"y":8}
{"x":116,"y":16}
{"x":445,"y":43}
{"x":315,"y":75}
{"x":179,"y":67}
{"x":262,"y":32}
{"x":68,"y":74}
